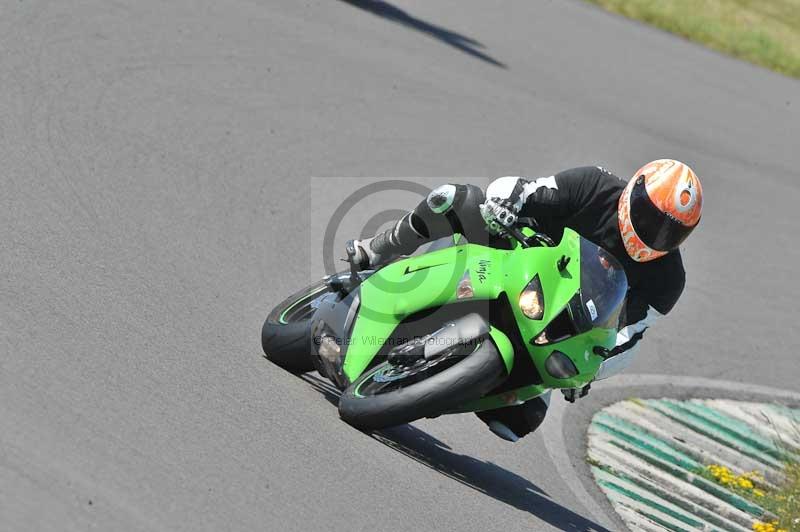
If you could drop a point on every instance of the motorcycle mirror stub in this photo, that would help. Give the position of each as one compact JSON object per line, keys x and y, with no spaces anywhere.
{"x":464,"y":289}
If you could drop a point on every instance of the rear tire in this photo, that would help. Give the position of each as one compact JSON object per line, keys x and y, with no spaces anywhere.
{"x":468,"y":379}
{"x":286,"y":334}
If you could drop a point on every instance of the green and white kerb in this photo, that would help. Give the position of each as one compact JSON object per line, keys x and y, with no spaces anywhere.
{"x":688,"y":465}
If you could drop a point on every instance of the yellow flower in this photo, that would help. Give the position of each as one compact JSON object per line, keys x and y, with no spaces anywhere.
{"x":744,"y":483}
{"x":758,"y":526}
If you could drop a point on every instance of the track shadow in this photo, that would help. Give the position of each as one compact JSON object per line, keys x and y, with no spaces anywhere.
{"x":330,"y":392}
{"x":487,"y":478}
{"x":456,"y":40}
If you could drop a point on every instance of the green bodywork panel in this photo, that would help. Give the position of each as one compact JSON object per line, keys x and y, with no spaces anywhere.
{"x":431,"y":280}
{"x":417,"y":283}
{"x":504,"y":347}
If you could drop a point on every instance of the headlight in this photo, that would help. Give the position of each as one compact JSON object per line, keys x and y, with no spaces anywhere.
{"x":531,"y":300}
{"x":542,"y":338}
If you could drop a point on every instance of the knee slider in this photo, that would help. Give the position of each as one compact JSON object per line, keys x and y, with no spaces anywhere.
{"x":441,"y":199}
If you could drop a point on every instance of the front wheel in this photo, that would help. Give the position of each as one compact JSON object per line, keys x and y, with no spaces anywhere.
{"x":389,"y":394}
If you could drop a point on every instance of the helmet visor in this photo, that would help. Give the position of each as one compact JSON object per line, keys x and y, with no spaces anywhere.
{"x":656,"y":228}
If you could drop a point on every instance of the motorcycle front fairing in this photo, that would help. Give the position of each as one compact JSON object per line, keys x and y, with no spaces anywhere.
{"x":467,"y":272}
{"x":349,"y":331}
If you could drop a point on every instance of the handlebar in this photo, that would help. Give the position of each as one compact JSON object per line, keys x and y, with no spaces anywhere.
{"x":519,"y":236}
{"x":539,"y":239}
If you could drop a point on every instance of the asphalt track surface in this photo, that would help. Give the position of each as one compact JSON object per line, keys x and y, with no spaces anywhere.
{"x":155,"y":203}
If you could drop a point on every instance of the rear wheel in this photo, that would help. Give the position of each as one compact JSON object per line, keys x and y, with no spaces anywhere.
{"x":286,"y":334}
{"x":392,"y":394}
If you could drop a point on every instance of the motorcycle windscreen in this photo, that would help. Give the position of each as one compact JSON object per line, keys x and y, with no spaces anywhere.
{"x":603,"y":289}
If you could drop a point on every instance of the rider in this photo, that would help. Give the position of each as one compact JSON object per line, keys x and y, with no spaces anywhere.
{"x":641,"y":222}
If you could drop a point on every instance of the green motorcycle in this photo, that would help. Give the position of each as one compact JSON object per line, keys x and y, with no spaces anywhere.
{"x":461,"y":328}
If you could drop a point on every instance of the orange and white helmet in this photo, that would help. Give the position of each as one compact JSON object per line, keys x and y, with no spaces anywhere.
{"x":658,"y":209}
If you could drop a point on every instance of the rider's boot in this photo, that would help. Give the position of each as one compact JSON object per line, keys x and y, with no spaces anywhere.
{"x":501,"y":430}
{"x":514,"y":422}
{"x":384,"y":247}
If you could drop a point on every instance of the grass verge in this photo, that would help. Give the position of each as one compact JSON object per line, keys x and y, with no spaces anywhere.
{"x":764,"y":32}
{"x":785,"y":501}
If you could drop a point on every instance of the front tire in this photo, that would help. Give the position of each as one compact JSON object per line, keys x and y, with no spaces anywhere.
{"x":367,"y":404}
